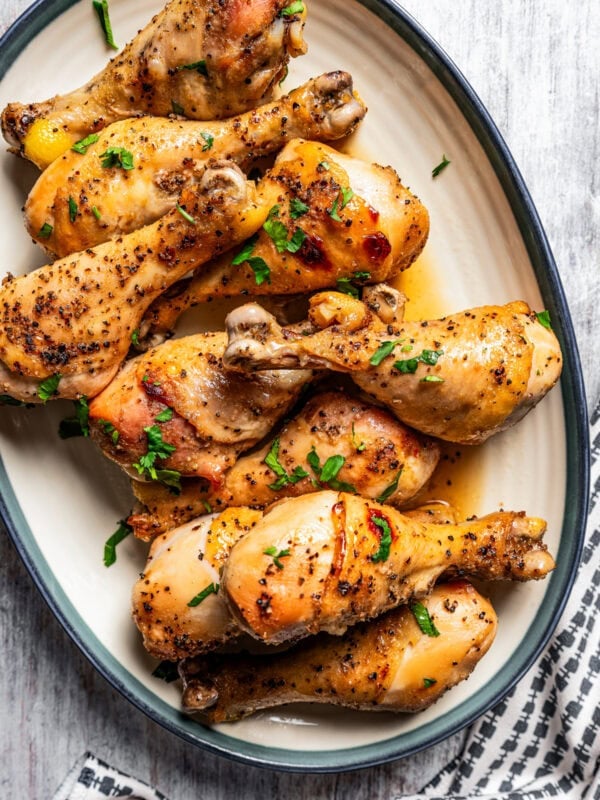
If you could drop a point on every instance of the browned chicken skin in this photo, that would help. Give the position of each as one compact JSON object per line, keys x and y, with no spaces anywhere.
{"x":216,"y":415}
{"x":329,"y":560}
{"x":359,"y":223}
{"x":182,"y":564}
{"x":387,"y":664}
{"x":167,"y":155}
{"x":75,"y":318}
{"x":381,"y":458}
{"x":207,"y":59}
{"x":462,"y":378}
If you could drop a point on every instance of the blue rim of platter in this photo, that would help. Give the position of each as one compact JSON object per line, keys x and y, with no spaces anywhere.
{"x":19,"y":35}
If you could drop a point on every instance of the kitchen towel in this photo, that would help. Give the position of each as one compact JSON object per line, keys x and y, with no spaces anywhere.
{"x":541,"y":741}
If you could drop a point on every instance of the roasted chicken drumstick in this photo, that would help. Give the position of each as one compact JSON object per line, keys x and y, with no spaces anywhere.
{"x":364,"y":445}
{"x":461,"y":378}
{"x":329,"y":560}
{"x":337,"y":218}
{"x":205,"y":59}
{"x":66,"y":327}
{"x":166,"y":156}
{"x":387,"y":664}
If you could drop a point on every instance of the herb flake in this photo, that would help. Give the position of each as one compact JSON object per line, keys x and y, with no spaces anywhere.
{"x":276,"y":556}
{"x":384,"y":350}
{"x":298,"y":208}
{"x":389,"y":490}
{"x":423,"y":619}
{"x":48,"y":387}
{"x":117,"y":157}
{"x":77,"y":425}
{"x":543,"y":317}
{"x":110,"y":546}
{"x":101,"y":8}
{"x":82,"y":145}
{"x":297,"y":7}
{"x":385,"y":541}
{"x":440,"y":167}
{"x":187,"y":217}
{"x":72,"y":209}
{"x":197,"y":66}
{"x":209,"y":140}
{"x":212,"y":588}
{"x":45,"y":232}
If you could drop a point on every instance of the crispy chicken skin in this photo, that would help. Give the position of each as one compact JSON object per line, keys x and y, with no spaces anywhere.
{"x":461,"y":378}
{"x":369,"y":236}
{"x":207,"y":59}
{"x":216,"y":414}
{"x":167,"y":156}
{"x":381,"y":457}
{"x":329,"y":560}
{"x":387,"y":664}
{"x":181,"y":564}
{"x":75,"y":318}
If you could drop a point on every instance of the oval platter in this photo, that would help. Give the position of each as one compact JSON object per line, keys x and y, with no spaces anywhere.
{"x":60,"y":499}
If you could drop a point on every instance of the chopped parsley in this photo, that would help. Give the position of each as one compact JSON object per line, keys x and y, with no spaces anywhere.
{"x":101,"y":8}
{"x":298,"y":208}
{"x":389,"y":490}
{"x":278,"y":233}
{"x":359,"y":447}
{"x":328,"y":473}
{"x":177,"y":109}
{"x":440,"y":167}
{"x":158,"y":449}
{"x":346,"y":285}
{"x":208,"y":141}
{"x":258,"y":265}
{"x":77,"y":425}
{"x":297,"y":7}
{"x":543,"y":317}
{"x":170,"y":478}
{"x":117,"y":157}
{"x":96,"y":213}
{"x":45,"y":232}
{"x":48,"y":388}
{"x":207,"y":506}
{"x":272,"y":551}
{"x":212,"y":588}
{"x":384,"y":350}
{"x":408,"y":366}
{"x":109,"y":430}
{"x":424,"y":621}
{"x":427,"y":682}
{"x":340,"y":202}
{"x":283,"y":477}
{"x":187,"y":217}
{"x":110,"y":546}
{"x":135,"y":337}
{"x":167,"y":671}
{"x":72,"y":209}
{"x":324,"y":165}
{"x":82,"y":145}
{"x":347,"y":195}
{"x":165,"y":416}
{"x":432,"y":379}
{"x":198,"y":66}
{"x":385,"y":542}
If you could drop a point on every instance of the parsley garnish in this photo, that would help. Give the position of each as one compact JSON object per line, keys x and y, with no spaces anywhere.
{"x":96,"y":213}
{"x":72,"y":209}
{"x":333,"y":211}
{"x":424,"y":621}
{"x":165,"y":416}
{"x":278,"y":232}
{"x":346,"y":286}
{"x":199,"y":66}
{"x":212,"y":588}
{"x":110,"y":547}
{"x":109,"y":430}
{"x":385,"y":541}
{"x":296,"y":7}
{"x":347,"y":195}
{"x":389,"y":490}
{"x":324,"y":165}
{"x":283,"y":478}
{"x":207,"y":506}
{"x":543,"y":317}
{"x":258,"y":265}
{"x":208,"y":141}
{"x":135,"y":337}
{"x":440,"y":167}
{"x":167,"y":671}
{"x":384,"y":350}
{"x":170,"y":478}
{"x":48,"y":387}
{"x":298,"y":208}
{"x":329,"y":471}
{"x":157,"y":448}
{"x":409,"y":365}
{"x":45,"y":231}
{"x":117,"y":157}
{"x":101,"y":7}
{"x":432,"y":379}
{"x":187,"y":217}
{"x":177,"y":109}
{"x":359,"y":447}
{"x":427,"y":682}
{"x":77,"y":425}
{"x":82,"y":145}
{"x":272,"y":551}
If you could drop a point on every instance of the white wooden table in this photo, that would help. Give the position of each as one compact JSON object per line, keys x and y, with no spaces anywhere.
{"x":536,"y":67}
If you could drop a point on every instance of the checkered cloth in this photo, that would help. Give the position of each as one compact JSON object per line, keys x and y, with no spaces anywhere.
{"x":541,"y":741}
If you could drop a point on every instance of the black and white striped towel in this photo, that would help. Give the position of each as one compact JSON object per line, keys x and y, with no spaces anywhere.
{"x":542,"y":741}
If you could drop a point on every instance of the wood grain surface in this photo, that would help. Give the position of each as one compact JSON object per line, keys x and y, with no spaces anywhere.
{"x":535,"y":65}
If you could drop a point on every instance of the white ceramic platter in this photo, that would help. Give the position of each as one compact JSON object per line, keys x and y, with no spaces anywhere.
{"x":60,"y":500}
